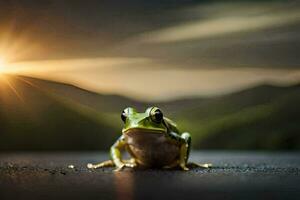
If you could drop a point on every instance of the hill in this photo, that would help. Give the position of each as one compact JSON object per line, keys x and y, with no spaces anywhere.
{"x":262,"y":117}
{"x":99,"y":102}
{"x":38,"y":114}
{"x":35,"y":118}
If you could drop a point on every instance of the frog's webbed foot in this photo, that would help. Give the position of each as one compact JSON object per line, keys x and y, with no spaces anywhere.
{"x":126,"y":163}
{"x":131,"y":163}
{"x":108,"y":163}
{"x":206,"y":165}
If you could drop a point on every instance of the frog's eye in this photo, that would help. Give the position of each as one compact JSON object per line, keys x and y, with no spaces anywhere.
{"x":127,"y":112}
{"x":156,"y":115}
{"x":123,"y":116}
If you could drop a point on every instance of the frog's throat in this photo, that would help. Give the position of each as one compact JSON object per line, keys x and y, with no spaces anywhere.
{"x":143,"y":130}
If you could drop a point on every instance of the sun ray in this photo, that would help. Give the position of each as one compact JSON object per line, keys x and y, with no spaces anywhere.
{"x":16,"y":46}
{"x":15,"y":91}
{"x":28,"y":82}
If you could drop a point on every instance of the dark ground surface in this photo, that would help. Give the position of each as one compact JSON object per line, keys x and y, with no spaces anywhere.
{"x":235,"y":175}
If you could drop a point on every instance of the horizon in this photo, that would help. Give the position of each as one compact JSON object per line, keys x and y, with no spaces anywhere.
{"x":145,"y":100}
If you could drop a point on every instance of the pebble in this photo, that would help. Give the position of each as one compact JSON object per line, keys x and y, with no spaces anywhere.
{"x":71,"y":166}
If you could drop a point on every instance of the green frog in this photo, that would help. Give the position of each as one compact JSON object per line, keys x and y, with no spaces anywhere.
{"x":152,"y":141}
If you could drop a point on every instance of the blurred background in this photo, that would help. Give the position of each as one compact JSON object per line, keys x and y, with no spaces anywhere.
{"x":226,"y":71}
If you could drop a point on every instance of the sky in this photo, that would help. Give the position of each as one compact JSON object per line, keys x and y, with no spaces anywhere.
{"x":153,"y":50}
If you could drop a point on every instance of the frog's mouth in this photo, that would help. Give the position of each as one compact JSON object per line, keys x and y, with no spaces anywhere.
{"x":142,"y":131}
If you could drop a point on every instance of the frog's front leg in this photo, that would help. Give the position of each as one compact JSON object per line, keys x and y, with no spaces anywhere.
{"x":185,"y":150}
{"x":115,"y":153}
{"x":116,"y":157}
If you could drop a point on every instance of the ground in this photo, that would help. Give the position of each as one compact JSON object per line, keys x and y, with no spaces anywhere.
{"x":235,"y":175}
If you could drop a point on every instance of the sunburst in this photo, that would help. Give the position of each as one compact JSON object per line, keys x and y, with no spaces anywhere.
{"x":5,"y":79}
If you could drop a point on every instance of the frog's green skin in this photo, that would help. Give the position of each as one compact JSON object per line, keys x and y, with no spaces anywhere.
{"x":151,"y":140}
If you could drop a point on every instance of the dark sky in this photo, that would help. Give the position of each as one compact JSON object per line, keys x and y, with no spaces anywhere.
{"x":93,"y":28}
{"x":75,"y":28}
{"x":181,"y":36}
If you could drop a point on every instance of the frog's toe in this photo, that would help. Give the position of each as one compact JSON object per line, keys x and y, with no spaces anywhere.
{"x":119,"y":168}
{"x":130,"y":165}
{"x":206,"y":165}
{"x":90,"y":166}
{"x":183,"y":167}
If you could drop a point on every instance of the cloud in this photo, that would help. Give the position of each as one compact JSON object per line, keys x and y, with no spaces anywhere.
{"x":164,"y":84}
{"x":136,"y":77}
{"x":75,"y":65}
{"x":223,"y":35}
{"x":219,"y":25}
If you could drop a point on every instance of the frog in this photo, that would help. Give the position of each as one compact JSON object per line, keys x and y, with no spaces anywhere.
{"x":151,"y":140}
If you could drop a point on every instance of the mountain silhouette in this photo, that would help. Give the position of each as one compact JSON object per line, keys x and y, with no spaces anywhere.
{"x":37,"y":114}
